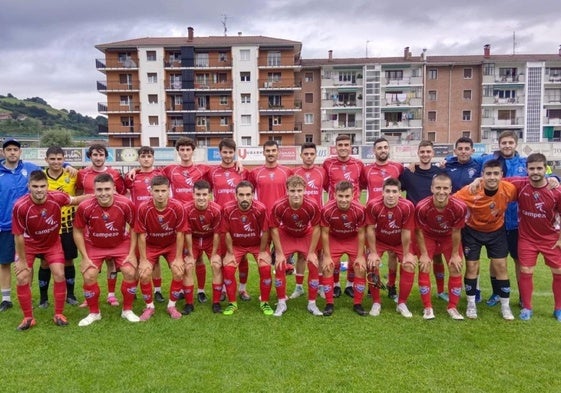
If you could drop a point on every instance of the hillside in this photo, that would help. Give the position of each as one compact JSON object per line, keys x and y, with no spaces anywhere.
{"x":33,"y":116}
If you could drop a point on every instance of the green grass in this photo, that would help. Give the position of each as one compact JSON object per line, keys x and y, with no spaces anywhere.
{"x":249,"y":352}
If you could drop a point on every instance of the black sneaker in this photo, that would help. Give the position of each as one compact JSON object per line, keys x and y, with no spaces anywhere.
{"x":392,"y":292}
{"x":336,"y":291}
{"x":44,"y":304}
{"x":72,"y":300}
{"x":201,"y":297}
{"x":328,"y":311}
{"x":349,"y":291}
{"x":216,"y":308}
{"x":159,"y":297}
{"x":5,"y":305}
{"x":188,"y":309}
{"x":359,"y":310}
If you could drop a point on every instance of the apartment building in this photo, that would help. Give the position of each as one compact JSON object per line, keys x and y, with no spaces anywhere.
{"x":207,"y":88}
{"x":258,"y":88}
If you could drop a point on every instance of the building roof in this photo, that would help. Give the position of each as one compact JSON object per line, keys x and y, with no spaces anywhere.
{"x":201,"y":42}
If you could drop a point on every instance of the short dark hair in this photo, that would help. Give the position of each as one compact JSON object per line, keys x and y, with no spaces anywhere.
{"x":54,"y":150}
{"x":536,"y":157}
{"x":37,"y":175}
{"x":309,"y":145}
{"x":202,"y":185}
{"x":491,"y":164}
{"x":270,"y":143}
{"x":425,"y":143}
{"x":391,"y":181}
{"x":104,"y":178}
{"x":464,"y":139}
{"x":245,"y":183}
{"x":146,"y":150}
{"x":508,"y":134}
{"x":344,"y":185}
{"x":342,"y":137}
{"x":227,"y":142}
{"x":159,"y":180}
{"x":380,"y":140}
{"x":184,"y":141}
{"x":99,"y":147}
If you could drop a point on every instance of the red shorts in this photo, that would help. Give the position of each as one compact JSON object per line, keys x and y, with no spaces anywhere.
{"x":52,"y":254}
{"x":437,"y":246}
{"x":154,"y":253}
{"x":528,"y":252}
{"x":301,"y":245}
{"x":345,"y":246}
{"x":118,"y":254}
{"x":239,"y":252}
{"x":202,"y":245}
{"x":398,"y":250}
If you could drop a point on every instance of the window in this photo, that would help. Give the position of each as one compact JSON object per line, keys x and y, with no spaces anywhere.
{"x":466,"y":115}
{"x":273,"y":58}
{"x":223,"y":121}
{"x":309,"y":138}
{"x":274,"y":76}
{"x":154,"y":141}
{"x":309,"y":98}
{"x":245,"y":76}
{"x":308,"y":118}
{"x":152,"y":77}
{"x":125,"y":100}
{"x":175,"y":81}
{"x":508,"y":74}
{"x":347,"y":76}
{"x":507,"y":115}
{"x":127,"y":121}
{"x":222,"y":57}
{"x":244,"y":54}
{"x":468,"y":73}
{"x":433,"y":73}
{"x":432,"y":115}
{"x":467,"y":94}
{"x":223,"y":100}
{"x":221,"y":77}
{"x":151,"y":55}
{"x":394,"y":75}
{"x":126,"y":79}
{"x":431,"y":136}
{"x":203,"y":141}
{"x":277,"y":139}
{"x":308,"y":77}
{"x":178,"y":100}
{"x":275,"y":101}
{"x":153,"y":120}
{"x":432,"y":95}
{"x":466,"y":134}
{"x":246,"y":120}
{"x":202,"y":102}
{"x":201,"y":121}
{"x":246,"y":98}
{"x":202,"y":79}
{"x":201,"y":59}
{"x":553,"y":113}
{"x":152,"y":98}
{"x":246,"y":141}
{"x":277,"y":120}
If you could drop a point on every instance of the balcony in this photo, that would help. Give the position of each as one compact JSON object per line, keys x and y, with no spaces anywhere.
{"x":491,"y":121}
{"x":116,"y":64}
{"x":552,"y":121}
{"x":102,"y":87}
{"x":123,"y":131}
{"x":118,"y":107}
{"x":337,"y":125}
{"x":405,"y":81}
{"x":213,"y":86}
{"x":280,"y":84}
{"x":502,"y":79}
{"x":519,"y":100}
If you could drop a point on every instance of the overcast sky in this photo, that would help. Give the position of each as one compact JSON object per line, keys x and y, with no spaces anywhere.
{"x":47,"y":47}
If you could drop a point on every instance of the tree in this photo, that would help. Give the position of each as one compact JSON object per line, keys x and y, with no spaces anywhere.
{"x":59,"y":137}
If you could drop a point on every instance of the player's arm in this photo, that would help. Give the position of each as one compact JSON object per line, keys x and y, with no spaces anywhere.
{"x":455,"y":257}
{"x":312,"y":254}
{"x":424,"y":259}
{"x":373,"y":257}
{"x":79,"y":240}
{"x":21,"y":262}
{"x":76,"y":200}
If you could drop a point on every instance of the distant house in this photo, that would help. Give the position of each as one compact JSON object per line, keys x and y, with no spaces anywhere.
{"x":5,"y":115}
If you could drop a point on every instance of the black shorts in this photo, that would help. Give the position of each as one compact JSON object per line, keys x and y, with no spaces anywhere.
{"x":68,"y":245}
{"x":512,"y":239}
{"x":495,"y":242}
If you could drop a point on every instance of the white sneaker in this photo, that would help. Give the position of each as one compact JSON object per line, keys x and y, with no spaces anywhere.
{"x":91,"y":318}
{"x":403,"y":310}
{"x":455,"y":314}
{"x":130,"y":316}
{"x":375,"y":310}
{"x":507,"y":313}
{"x":428,"y":313}
{"x":314,"y":310}
{"x":471,"y":311}
{"x":298,"y":291}
{"x":281,"y":309}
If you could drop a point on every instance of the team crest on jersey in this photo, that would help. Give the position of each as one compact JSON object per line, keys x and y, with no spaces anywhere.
{"x":295,"y":217}
{"x":271,"y":176}
{"x":44,"y":213}
{"x":105,"y":216}
{"x":536,"y":195}
{"x":160,"y":219}
{"x":471,"y":172}
{"x":201,"y":219}
{"x":243,"y":219}
{"x":344,"y":168}
{"x":439,"y":219}
{"x":307,"y":176}
{"x":67,"y":180}
{"x":24,"y":172}
{"x":344,"y":217}
{"x":492,"y":205}
{"x":390,"y":215}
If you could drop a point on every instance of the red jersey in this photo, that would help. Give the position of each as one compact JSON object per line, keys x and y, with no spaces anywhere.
{"x":316,"y":182}
{"x":245,"y":227}
{"x":105,"y":227}
{"x":343,"y":224}
{"x":390,"y":221}
{"x":338,"y":170}
{"x":161,"y":226}
{"x":539,"y":210}
{"x":487,"y":213}
{"x":270,"y":183}
{"x":224,"y":182}
{"x":140,"y":186}
{"x":39,"y":223}
{"x":436,"y":222}
{"x":182,"y":179}
{"x":295,"y":222}
{"x":203,"y":223}
{"x":86,"y":177}
{"x":372,"y":176}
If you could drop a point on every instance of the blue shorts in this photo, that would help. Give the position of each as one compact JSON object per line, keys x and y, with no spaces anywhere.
{"x":495,"y":242}
{"x":8,"y":248}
